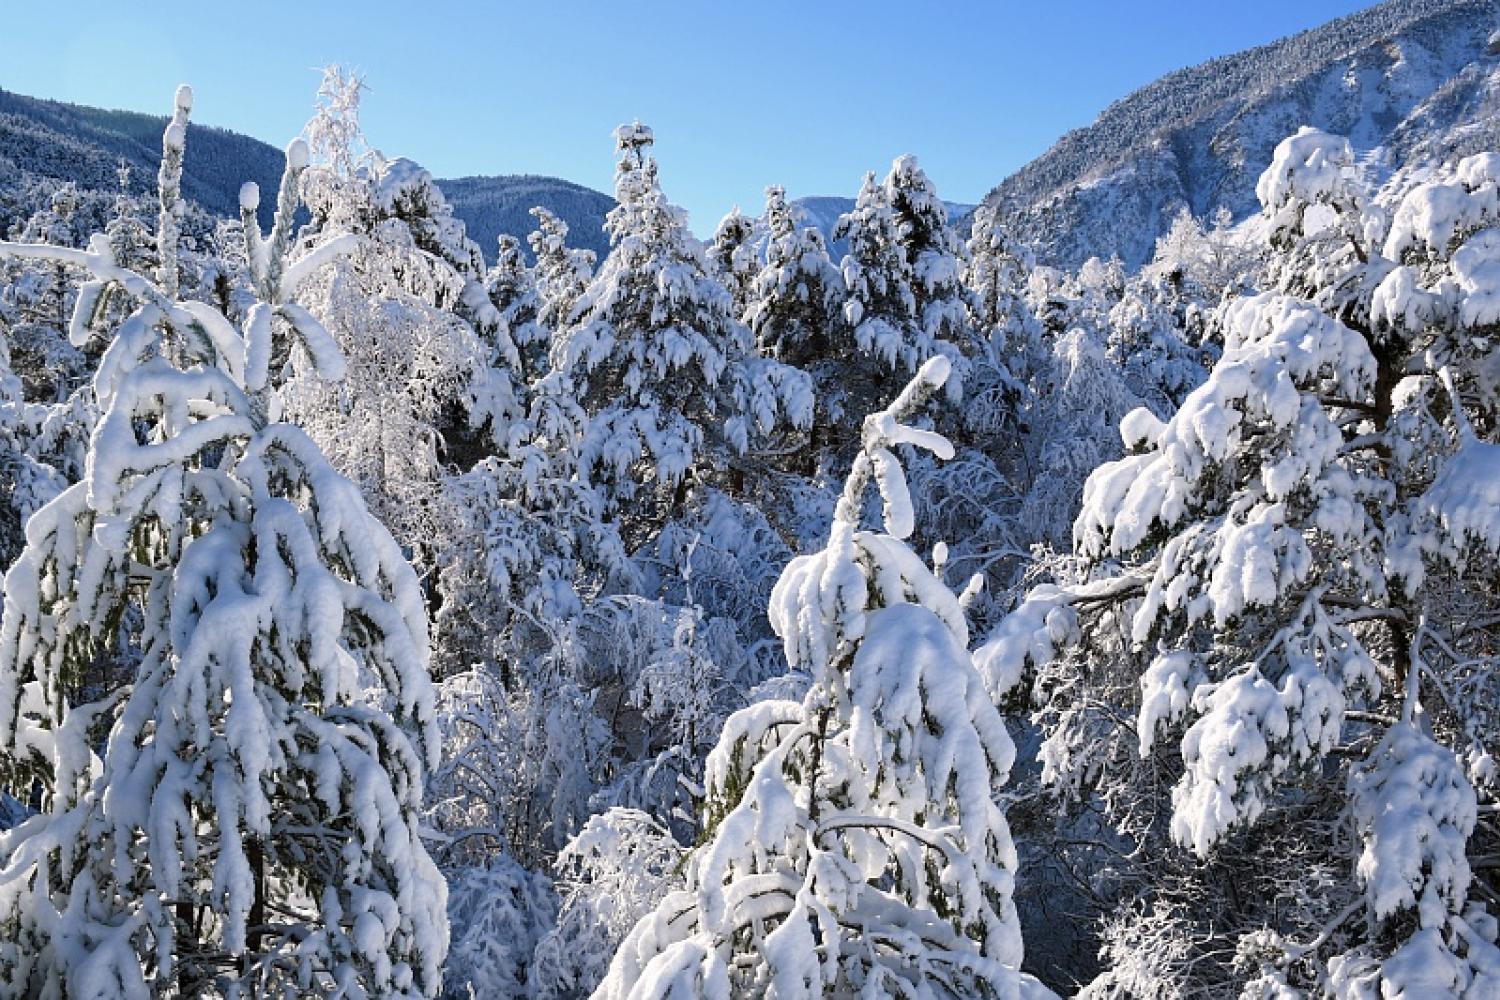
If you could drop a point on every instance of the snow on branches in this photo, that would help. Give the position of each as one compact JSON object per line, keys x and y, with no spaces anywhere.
{"x":213,"y":666}
{"x":656,"y":352}
{"x":1290,"y":566}
{"x":855,"y":841}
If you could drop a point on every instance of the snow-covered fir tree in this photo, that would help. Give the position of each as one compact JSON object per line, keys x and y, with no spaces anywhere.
{"x":668,"y":374}
{"x":794,"y":306}
{"x":734,"y":254}
{"x":562,"y":273}
{"x":1283,"y":596}
{"x":512,"y":289}
{"x":904,"y":300}
{"x":213,"y":674}
{"x":936,"y":255}
{"x":1154,"y":331}
{"x":796,"y":298}
{"x":854,"y":843}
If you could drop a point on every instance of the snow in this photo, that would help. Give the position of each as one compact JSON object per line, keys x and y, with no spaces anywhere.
{"x":245,"y":685}
{"x":483,"y":576}
{"x":1028,"y":636}
{"x":1476,"y":268}
{"x":297,"y":155}
{"x":1464,"y":500}
{"x":1141,"y":428}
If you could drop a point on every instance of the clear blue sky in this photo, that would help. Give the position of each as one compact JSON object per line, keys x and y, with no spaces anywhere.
{"x":741,"y":94}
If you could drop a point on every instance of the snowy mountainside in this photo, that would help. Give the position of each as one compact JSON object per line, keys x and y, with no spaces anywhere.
{"x":490,"y":206}
{"x":822,"y":211}
{"x":1408,"y":81}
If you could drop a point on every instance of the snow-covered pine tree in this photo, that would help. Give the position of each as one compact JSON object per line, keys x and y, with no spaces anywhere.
{"x":240,"y":818}
{"x":794,"y":308}
{"x":902,"y":281}
{"x":562,"y":272}
{"x":512,"y":289}
{"x":854,"y":842}
{"x":996,"y":273}
{"x":1154,"y":331}
{"x":796,"y":298}
{"x":39,"y":296}
{"x":936,"y":254}
{"x":1008,"y":336}
{"x":447,"y":268}
{"x":1288,"y":599}
{"x":668,"y":374}
{"x":129,"y":237}
{"x":734,"y":254}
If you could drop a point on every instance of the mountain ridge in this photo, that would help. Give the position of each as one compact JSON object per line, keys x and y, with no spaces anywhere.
{"x":1402,"y":79}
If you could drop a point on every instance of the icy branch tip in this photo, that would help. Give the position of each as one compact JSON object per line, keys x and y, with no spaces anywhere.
{"x":249,"y":196}
{"x":297,"y":154}
{"x":935,"y":371}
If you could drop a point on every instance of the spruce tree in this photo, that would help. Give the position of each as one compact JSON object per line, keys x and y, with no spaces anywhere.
{"x":562,"y":272}
{"x":239,"y":816}
{"x":905,"y":302}
{"x":734,"y":255}
{"x":668,"y":375}
{"x":1287,"y":580}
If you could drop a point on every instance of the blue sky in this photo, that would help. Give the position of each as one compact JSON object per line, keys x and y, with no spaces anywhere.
{"x":809,"y":95}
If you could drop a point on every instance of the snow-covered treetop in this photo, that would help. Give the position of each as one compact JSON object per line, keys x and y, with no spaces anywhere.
{"x":997,"y":270}
{"x":1321,"y":223}
{"x":794,"y":301}
{"x":835,"y":581}
{"x":1309,"y":168}
{"x":404,"y":183}
{"x":660,"y":357}
{"x":735,"y":253}
{"x":562,"y":273}
{"x":899,"y":305}
{"x":405,"y":190}
{"x":921,"y":216}
{"x":1445,"y":235}
{"x":780,"y":219}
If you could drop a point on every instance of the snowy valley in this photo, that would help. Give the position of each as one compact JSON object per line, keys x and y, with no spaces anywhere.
{"x":491,"y":589}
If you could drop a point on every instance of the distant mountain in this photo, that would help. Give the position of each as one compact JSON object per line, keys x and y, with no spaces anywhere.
{"x":44,"y":143}
{"x":822,"y":211}
{"x":47,"y":143}
{"x":1407,"y":81}
{"x":490,"y":206}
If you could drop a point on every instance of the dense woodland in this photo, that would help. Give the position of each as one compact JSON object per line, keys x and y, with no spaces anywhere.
{"x":389,"y":617}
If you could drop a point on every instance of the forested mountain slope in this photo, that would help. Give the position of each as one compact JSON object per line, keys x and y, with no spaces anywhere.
{"x":490,"y":206}
{"x":1406,"y":81}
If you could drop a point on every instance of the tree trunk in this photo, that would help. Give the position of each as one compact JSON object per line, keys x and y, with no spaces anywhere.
{"x":255,"y":854}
